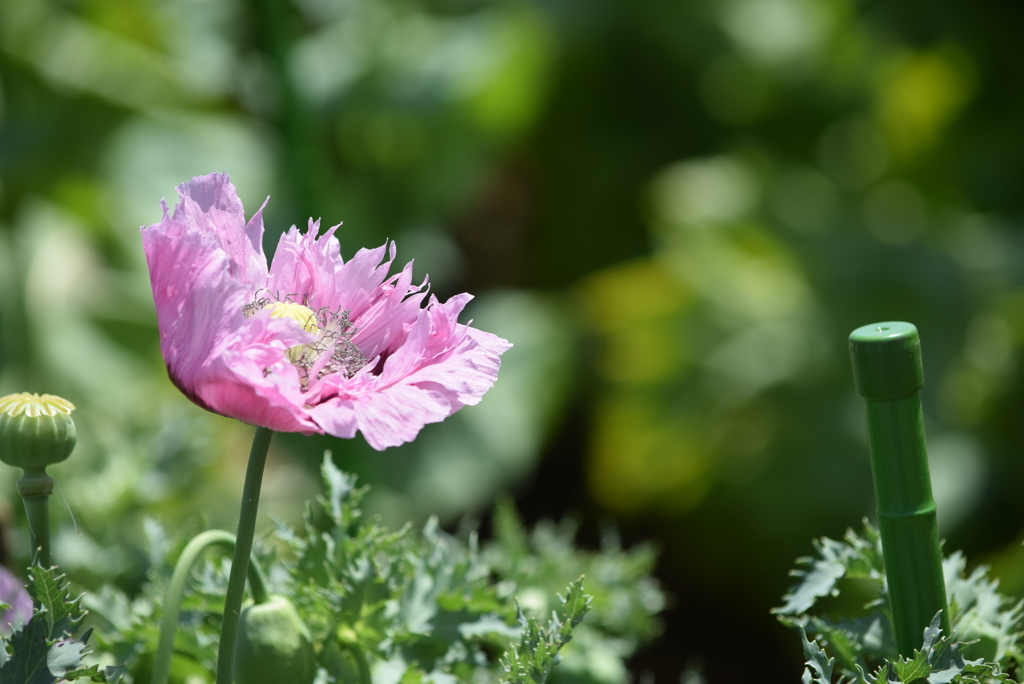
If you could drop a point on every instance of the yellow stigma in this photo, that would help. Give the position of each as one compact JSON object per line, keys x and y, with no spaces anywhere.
{"x":303,"y":314}
{"x":305,"y":317}
{"x":33,"y":405}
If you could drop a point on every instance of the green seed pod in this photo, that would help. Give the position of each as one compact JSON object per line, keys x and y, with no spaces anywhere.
{"x":35,"y":430}
{"x":273,"y":646}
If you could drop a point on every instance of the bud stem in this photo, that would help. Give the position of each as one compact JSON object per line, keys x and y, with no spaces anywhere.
{"x":35,"y":487}
{"x":172,"y":604}
{"x":240,"y":560}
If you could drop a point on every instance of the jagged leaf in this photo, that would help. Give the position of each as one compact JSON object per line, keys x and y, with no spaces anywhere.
{"x":418,"y":606}
{"x":855,"y":557}
{"x":983,"y":621}
{"x":852,"y":640}
{"x":64,"y":661}
{"x":44,"y":651}
{"x":912,"y":669}
{"x":58,"y":609}
{"x":819,"y":665}
{"x":38,"y":660}
{"x":65,"y":656}
{"x":979,"y":611}
{"x":29,"y":648}
{"x":530,"y":660}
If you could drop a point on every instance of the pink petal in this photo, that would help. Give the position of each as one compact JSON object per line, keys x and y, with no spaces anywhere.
{"x":250,"y":377}
{"x":194,"y":296}
{"x":305,"y":266}
{"x":386,"y":418}
{"x":459,"y":361}
{"x":210,"y":206}
{"x":382,"y":325}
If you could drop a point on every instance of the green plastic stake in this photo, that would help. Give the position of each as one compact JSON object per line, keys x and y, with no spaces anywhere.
{"x":888,"y":374}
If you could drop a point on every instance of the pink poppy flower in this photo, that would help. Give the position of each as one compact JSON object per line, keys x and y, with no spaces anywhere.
{"x":314,"y":344}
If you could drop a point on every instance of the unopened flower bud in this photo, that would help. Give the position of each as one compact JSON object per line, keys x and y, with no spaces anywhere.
{"x":273,"y":645}
{"x":35,"y":430}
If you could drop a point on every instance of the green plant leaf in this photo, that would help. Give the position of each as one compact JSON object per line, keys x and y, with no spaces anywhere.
{"x":29,"y":646}
{"x":419,"y":605}
{"x":819,"y":665}
{"x":984,"y":622}
{"x":531,"y":659}
{"x":51,"y":593}
{"x":43,"y":651}
{"x":855,"y":557}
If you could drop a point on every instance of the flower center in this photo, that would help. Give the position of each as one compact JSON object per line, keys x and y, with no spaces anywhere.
{"x":301,"y":314}
{"x":332,"y":351}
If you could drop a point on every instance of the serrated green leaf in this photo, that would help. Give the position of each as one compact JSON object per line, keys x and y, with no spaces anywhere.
{"x":65,"y":656}
{"x":979,"y":611}
{"x":51,"y":593}
{"x":983,"y":621}
{"x":854,"y":557}
{"x":43,"y":651}
{"x":29,"y":648}
{"x":38,"y":660}
{"x":575,"y":604}
{"x":912,"y":669}
{"x":820,"y":580}
{"x":531,"y":659}
{"x":851,"y":640}
{"x":421,"y":606}
{"x":819,"y":665}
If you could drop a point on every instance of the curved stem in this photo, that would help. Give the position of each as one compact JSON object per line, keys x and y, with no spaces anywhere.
{"x":240,"y":560}
{"x":172,"y":602}
{"x":35,"y":487}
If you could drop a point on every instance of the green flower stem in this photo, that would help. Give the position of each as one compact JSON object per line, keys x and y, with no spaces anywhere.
{"x":889,"y":375}
{"x":35,"y":487}
{"x":172,"y":603}
{"x":240,"y":560}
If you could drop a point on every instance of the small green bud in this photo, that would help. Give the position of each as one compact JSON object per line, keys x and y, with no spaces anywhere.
{"x":274,"y":645}
{"x":35,"y":430}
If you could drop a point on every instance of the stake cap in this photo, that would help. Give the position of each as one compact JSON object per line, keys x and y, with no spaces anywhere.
{"x":886,"y":360}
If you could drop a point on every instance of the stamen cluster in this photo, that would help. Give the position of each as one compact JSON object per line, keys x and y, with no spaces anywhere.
{"x":332,"y":352}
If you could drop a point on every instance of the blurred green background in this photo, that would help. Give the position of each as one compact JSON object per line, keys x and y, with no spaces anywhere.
{"x":677,"y":211}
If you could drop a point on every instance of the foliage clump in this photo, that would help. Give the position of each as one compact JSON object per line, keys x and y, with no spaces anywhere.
{"x":410,"y":606}
{"x":846,"y":642}
{"x":45,"y":650}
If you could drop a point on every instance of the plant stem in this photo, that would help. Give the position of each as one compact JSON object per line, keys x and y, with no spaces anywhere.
{"x":889,"y":375}
{"x":240,"y":560}
{"x":35,"y":487}
{"x":172,"y":602}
